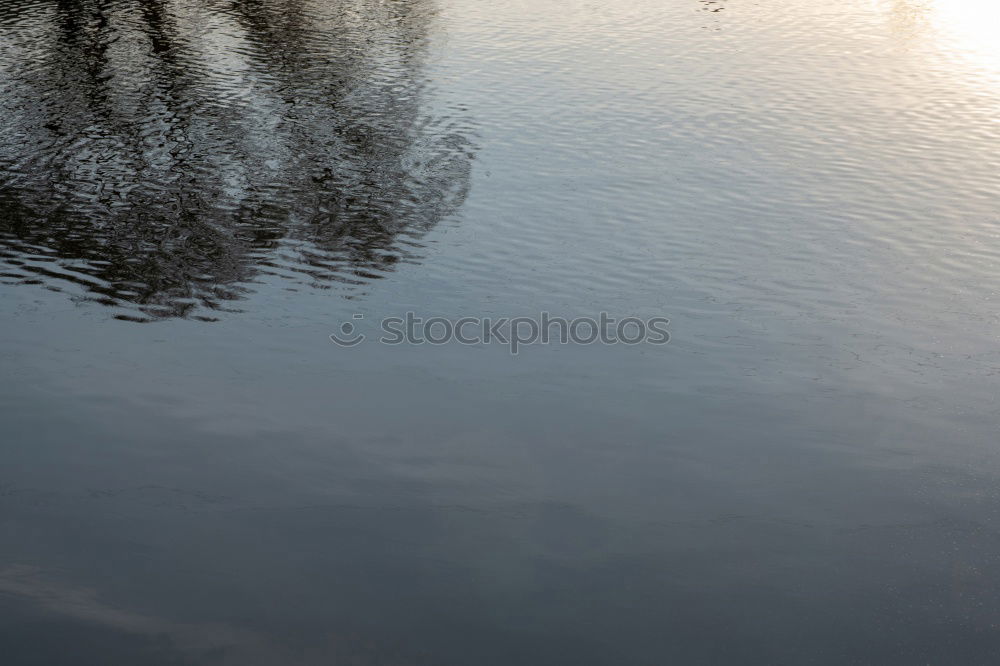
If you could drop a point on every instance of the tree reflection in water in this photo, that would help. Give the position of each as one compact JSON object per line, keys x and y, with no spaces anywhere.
{"x":164,"y":154}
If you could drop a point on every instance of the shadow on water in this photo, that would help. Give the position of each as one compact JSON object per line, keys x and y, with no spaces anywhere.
{"x":162,"y":155}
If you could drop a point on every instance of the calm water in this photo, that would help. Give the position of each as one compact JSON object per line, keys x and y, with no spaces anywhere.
{"x":195,"y":193}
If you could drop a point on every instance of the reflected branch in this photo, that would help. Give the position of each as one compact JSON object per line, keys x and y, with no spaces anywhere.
{"x":164,"y":154}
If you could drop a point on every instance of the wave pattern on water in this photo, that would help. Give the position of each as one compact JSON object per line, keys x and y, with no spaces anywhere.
{"x":163,"y":154}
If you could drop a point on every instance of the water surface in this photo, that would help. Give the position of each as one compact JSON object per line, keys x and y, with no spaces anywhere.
{"x":194,"y":194}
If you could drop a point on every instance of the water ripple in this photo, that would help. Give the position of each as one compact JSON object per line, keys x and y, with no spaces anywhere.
{"x":160,"y":154}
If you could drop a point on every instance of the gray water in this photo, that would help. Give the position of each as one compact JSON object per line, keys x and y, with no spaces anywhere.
{"x":194,"y":194}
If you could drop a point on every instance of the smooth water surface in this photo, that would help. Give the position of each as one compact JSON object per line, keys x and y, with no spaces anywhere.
{"x":195,"y":193}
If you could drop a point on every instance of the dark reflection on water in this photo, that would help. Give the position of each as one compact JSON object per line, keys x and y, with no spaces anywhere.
{"x":164,"y":153}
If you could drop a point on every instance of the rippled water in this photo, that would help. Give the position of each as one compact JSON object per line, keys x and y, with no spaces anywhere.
{"x":807,"y":473}
{"x":161,"y":155}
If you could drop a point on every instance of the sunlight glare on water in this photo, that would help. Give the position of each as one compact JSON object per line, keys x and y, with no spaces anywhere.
{"x":968,"y":28}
